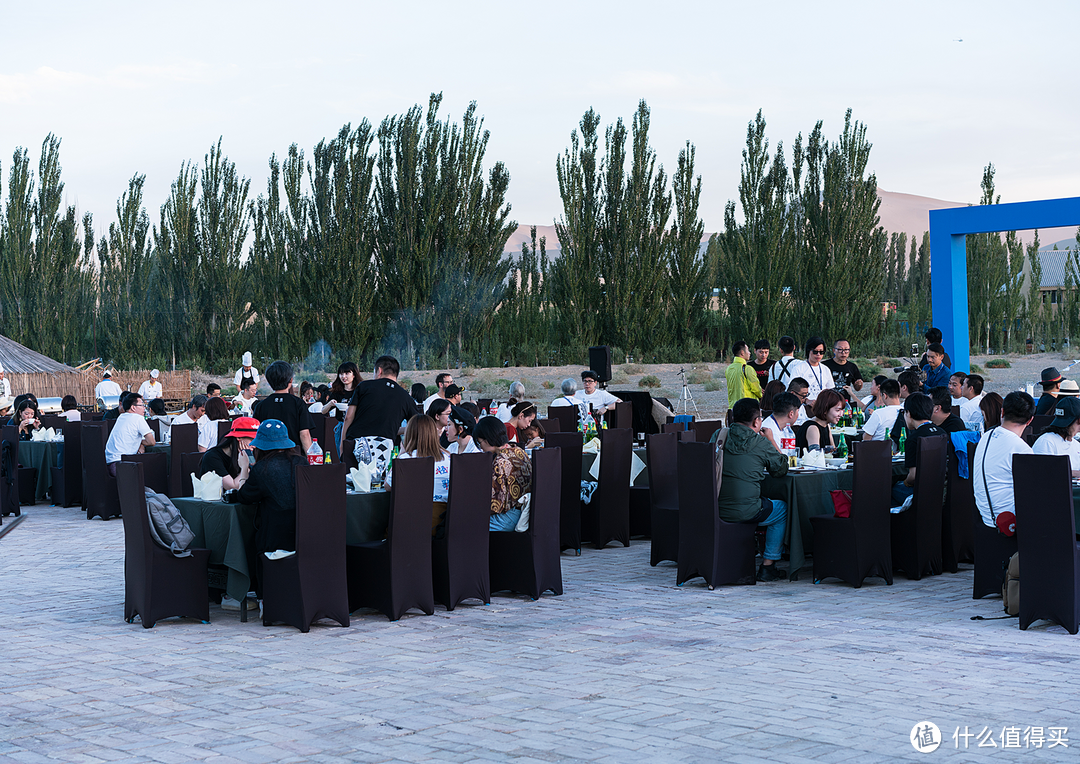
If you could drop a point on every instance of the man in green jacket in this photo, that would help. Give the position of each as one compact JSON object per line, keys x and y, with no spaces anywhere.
{"x":742,"y":381}
{"x":747,"y":456}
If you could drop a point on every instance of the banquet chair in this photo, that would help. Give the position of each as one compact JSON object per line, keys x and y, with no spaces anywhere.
{"x":550,"y":425}
{"x":157,"y":584}
{"x":673,"y":427}
{"x":155,"y":427}
{"x":716,"y":550}
{"x":99,"y":487}
{"x":569,"y":445}
{"x":55,"y":421}
{"x":704,"y":428}
{"x":606,"y":517}
{"x":9,"y":472}
{"x":189,"y":464}
{"x":530,"y":562}
{"x":484,"y":404}
{"x":394,"y":574}
{"x":459,"y":559}
{"x":622,"y":418}
{"x":664,"y":492}
{"x":155,"y":473}
{"x":183,"y":439}
{"x":223,"y":427}
{"x":688,"y":436}
{"x":957,"y":543}
{"x":1040,"y":423}
{"x":916,"y":532}
{"x":311,"y":584}
{"x":992,"y":548}
{"x":857,"y":547}
{"x":1046,"y":539}
{"x":567,"y":416}
{"x":640,"y":511}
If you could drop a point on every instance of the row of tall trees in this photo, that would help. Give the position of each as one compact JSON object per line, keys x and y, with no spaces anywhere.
{"x":391,"y":239}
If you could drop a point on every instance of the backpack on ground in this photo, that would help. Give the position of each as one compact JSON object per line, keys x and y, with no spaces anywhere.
{"x":1010,"y":590}
{"x":167,"y":526}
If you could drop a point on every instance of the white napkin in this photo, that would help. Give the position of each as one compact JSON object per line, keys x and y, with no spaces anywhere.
{"x":813,"y":459}
{"x":206,"y":488}
{"x":847,"y":432}
{"x":278,"y":554}
{"x":54,"y":435}
{"x":593,"y":447}
{"x":361,"y":477}
{"x":37,"y":436}
{"x":636,"y":466}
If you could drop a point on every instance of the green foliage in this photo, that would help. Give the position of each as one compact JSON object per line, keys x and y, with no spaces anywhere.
{"x":698,"y":377}
{"x":712,"y":386}
{"x":998,"y":363}
{"x":649,"y":380}
{"x":631,"y":368}
{"x":976,"y":369}
{"x":548,"y":384}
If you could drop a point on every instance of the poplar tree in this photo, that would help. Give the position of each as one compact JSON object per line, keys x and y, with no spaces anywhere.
{"x":687,"y":269}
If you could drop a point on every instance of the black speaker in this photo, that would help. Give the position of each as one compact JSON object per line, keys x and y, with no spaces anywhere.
{"x":600,"y":362}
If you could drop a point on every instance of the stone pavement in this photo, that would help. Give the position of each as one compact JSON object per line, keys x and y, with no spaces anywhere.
{"x":624,"y":667}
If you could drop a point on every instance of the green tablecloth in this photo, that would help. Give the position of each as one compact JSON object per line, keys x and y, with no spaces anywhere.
{"x":43,"y":456}
{"x":228,"y":531}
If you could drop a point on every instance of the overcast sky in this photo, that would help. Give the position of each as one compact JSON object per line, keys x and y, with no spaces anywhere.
{"x":140,"y":88}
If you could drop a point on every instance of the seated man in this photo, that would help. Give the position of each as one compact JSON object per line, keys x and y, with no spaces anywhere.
{"x":991,"y":474}
{"x":245,"y":399}
{"x":800,"y":388}
{"x":131,"y":434}
{"x":196,"y":415}
{"x":747,"y":456}
{"x":944,"y":417}
{"x":1051,"y":385}
{"x":600,"y":400}
{"x":884,"y":415}
{"x":213,"y":390}
{"x":918,"y":409}
{"x":777,"y":426}
{"x":956,"y":384}
{"x":970,"y":411}
{"x":909,"y":384}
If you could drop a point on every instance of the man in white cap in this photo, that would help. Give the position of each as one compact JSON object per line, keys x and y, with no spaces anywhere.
{"x":151,"y":388}
{"x":106,"y":388}
{"x":247,"y":371}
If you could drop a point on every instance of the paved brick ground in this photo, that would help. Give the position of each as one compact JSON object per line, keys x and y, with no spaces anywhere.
{"x":624,"y":667}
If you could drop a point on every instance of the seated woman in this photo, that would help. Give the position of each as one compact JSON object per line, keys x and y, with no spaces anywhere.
{"x":1059,"y":437}
{"x":439,"y":412}
{"x":422,"y":439}
{"x":772,"y":390}
{"x":511,"y":478}
{"x":814,"y":433}
{"x":521,"y":416}
{"x":217,"y":410}
{"x":460,"y":432}
{"x":532,"y":436}
{"x":991,"y":406}
{"x":70,"y":408}
{"x":26,"y":419}
{"x":271,"y":487}
{"x":231,"y":458}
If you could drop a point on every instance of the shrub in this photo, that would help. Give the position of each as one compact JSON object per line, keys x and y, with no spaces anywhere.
{"x":618,"y":378}
{"x":649,"y":380}
{"x":431,"y":389}
{"x":712,"y":386}
{"x":697,"y":377}
{"x":548,"y":384}
{"x":976,"y":369}
{"x":405,"y":382}
{"x":631,"y":369}
{"x":868,"y":369}
{"x":998,"y":363}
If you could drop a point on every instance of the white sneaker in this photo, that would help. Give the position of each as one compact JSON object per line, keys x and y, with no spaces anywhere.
{"x":228,"y":603}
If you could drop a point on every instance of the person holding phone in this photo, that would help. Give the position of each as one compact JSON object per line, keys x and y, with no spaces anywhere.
{"x":232,"y":458}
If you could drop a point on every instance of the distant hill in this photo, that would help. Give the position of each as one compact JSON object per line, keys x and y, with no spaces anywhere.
{"x":900,"y":213}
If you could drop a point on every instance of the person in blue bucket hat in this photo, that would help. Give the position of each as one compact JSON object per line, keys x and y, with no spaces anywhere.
{"x":270,"y":487}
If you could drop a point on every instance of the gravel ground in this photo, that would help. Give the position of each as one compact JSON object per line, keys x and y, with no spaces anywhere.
{"x":542,"y":382}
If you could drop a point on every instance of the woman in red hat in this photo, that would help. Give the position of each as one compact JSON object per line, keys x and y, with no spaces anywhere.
{"x":232,"y":458}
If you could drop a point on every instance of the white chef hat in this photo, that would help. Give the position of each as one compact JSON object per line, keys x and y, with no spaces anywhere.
{"x":154,"y":373}
{"x":246,"y":360}
{"x":1,"y":368}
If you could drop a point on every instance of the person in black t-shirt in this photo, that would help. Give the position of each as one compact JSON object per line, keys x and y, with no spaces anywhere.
{"x":845,"y":374}
{"x":284,"y":406}
{"x":379,"y":405}
{"x":231,"y":458}
{"x":918,"y":410}
{"x":943,"y":416}
{"x":1051,"y":384}
{"x":761,"y":363}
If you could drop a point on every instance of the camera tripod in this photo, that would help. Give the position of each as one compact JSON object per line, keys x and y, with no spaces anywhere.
{"x":686,"y":398}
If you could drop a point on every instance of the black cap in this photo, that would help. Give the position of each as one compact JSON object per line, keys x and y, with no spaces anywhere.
{"x":462,"y":418}
{"x":1051,"y":374}
{"x":452,"y":390}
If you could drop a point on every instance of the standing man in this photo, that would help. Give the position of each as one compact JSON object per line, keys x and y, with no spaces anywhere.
{"x":151,"y":388}
{"x":246,"y":371}
{"x":5,"y":385}
{"x":761,"y":363}
{"x":817,"y":375}
{"x":845,"y":374}
{"x":782,"y":369}
{"x":284,"y":406}
{"x":380,"y":405}
{"x":600,"y":400}
{"x":933,"y":337}
{"x":442,"y":381}
{"x":106,"y":388}
{"x":991,"y":474}
{"x":937,"y":373}
{"x":747,"y":457}
{"x":131,"y":434}
{"x":742,"y":381}
{"x":1051,"y":384}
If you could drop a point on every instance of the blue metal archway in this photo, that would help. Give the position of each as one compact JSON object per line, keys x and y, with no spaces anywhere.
{"x":948,"y":257}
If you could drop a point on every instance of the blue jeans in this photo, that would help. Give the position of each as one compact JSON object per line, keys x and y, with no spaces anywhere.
{"x":773,"y":516}
{"x":900,"y":492}
{"x":337,"y":440}
{"x":504,"y":522}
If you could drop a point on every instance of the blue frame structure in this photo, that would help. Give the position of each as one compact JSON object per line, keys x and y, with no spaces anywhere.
{"x":948,"y":257}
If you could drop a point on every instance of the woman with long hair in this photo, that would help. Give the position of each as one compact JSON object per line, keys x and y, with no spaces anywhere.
{"x":422,"y":439}
{"x":341,"y":391}
{"x":991,"y":406}
{"x":772,"y":390}
{"x":511,"y":479}
{"x":216,"y":411}
{"x":815,"y":433}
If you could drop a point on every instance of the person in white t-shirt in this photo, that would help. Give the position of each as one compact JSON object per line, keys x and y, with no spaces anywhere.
{"x":130,"y":435}
{"x":881,"y":420}
{"x":800,"y":388}
{"x":460,"y":431}
{"x":956,"y":389}
{"x":196,"y":414}
{"x":972,"y":390}
{"x":600,"y":400}
{"x":991,"y":474}
{"x":1060,"y":436}
{"x":442,"y":381}
{"x":422,"y":439}
{"x":777,"y":426}
{"x":568,"y":389}
{"x":817,"y":375}
{"x":786,"y":364}
{"x":151,"y":388}
{"x":245,"y":399}
{"x":517,"y":395}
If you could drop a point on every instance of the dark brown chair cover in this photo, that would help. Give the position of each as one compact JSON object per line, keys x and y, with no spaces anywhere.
{"x":916,"y":532}
{"x":183,"y":439}
{"x":459,"y":560}
{"x":567,"y":416}
{"x":484,"y":404}
{"x":957,"y":542}
{"x":673,"y":427}
{"x":569,"y":445}
{"x":156,"y":584}
{"x":664,"y":490}
{"x":155,"y":427}
{"x":55,"y":421}
{"x":28,"y":486}
{"x":311,"y":584}
{"x":155,"y":470}
{"x":704,"y":428}
{"x":9,"y":471}
{"x":1040,"y":423}
{"x":550,"y":425}
{"x":99,"y":487}
{"x":223,"y":427}
{"x":530,"y":562}
{"x":688,"y":436}
{"x":622,"y":418}
{"x":347,"y":455}
{"x":1046,"y":540}
{"x":857,"y":547}
{"x":607,"y":517}
{"x":318,"y":432}
{"x":718,"y":551}
{"x":329,"y":442}
{"x":640,"y":511}
{"x":394,"y":574}
{"x":992,"y":548}
{"x":189,"y":464}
